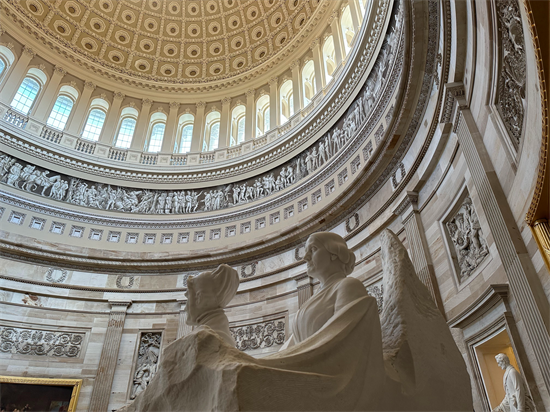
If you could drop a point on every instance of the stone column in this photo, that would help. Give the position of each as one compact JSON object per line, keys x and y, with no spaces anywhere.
{"x":337,"y":38}
{"x":541,"y":232}
{"x":75,"y":123}
{"x":46,"y":103}
{"x":225,"y":124}
{"x":355,"y":15}
{"x":103,"y":382}
{"x":320,"y":80}
{"x":420,"y":254}
{"x":108,"y":133}
{"x":140,"y":134}
{"x":274,"y":103}
{"x":198,"y":128}
{"x":171,"y":129}
{"x":304,"y":287}
{"x":296,"y":86}
{"x":249,"y":123}
{"x":524,"y":282}
{"x":183,"y":328}
{"x":12,"y":83}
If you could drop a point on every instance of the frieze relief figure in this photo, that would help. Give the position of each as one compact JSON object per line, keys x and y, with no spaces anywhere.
{"x":342,"y":354}
{"x":106,"y":197}
{"x":467,"y":238}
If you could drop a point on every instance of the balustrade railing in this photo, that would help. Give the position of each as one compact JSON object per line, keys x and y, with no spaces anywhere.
{"x":85,"y":147}
{"x":259,"y":141}
{"x":233,"y":152}
{"x":118,"y":154}
{"x":178,"y":160}
{"x":207,"y":158}
{"x":149,"y":159}
{"x":51,"y":135}
{"x":15,"y":118}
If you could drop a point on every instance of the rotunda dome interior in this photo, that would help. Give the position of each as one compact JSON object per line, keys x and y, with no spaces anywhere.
{"x":147,"y":141}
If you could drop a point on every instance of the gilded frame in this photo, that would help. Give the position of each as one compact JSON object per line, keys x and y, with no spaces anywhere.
{"x":75,"y":383}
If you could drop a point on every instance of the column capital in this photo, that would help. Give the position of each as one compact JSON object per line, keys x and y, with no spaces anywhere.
{"x":119,"y":96}
{"x":201,"y":105}
{"x":119,"y":305}
{"x":273,"y":81}
{"x":411,"y":199}
{"x":89,"y":85}
{"x":294,"y":64}
{"x":250,"y":92}
{"x":146,"y":102}
{"x":458,"y":91}
{"x":174,"y":105}
{"x":60,"y":70}
{"x":333,"y":16}
{"x":29,"y":51}
{"x":226,"y":101}
{"x":316,"y":42}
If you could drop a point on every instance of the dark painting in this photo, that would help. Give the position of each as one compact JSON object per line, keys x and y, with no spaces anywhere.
{"x":34,"y":398}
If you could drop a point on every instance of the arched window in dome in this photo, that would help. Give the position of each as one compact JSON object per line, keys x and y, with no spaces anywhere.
{"x":126,"y":127}
{"x":329,"y":58}
{"x":185,"y":132}
{"x":96,"y":119}
{"x":262,"y":115}
{"x":62,"y":107}
{"x":6,"y":60}
{"x":238,"y":118}
{"x":211,"y":131}
{"x":308,"y":82}
{"x":348,"y":31}
{"x":25,"y":96}
{"x":287,"y":101}
{"x":157,"y":125}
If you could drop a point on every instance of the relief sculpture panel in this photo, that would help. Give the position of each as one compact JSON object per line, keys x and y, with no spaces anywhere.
{"x":40,"y":342}
{"x":259,"y":335}
{"x":147,"y":361}
{"x":467,"y":239}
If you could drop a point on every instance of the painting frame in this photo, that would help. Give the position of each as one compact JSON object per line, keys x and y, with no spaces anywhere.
{"x":76,"y":385}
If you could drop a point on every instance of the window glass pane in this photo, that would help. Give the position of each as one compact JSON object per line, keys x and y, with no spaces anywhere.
{"x":125,"y":134}
{"x":155,"y":143}
{"x":266,"y":120}
{"x":186,"y":137}
{"x":240,"y":130}
{"x":25,"y":95}
{"x":291,"y":104}
{"x":2,"y":66}
{"x":60,"y":112}
{"x":214,"y":136}
{"x":94,"y":124}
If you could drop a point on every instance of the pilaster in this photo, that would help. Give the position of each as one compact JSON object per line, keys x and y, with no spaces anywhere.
{"x":320,"y":80}
{"x":16,"y":76}
{"x":249,"y":129}
{"x":304,"y":286}
{"x":225,"y":124}
{"x":75,"y":123}
{"x":103,"y":382}
{"x":140,"y":134}
{"x":198,"y":128}
{"x":296,"y":87}
{"x":183,"y":328}
{"x":274,"y":103}
{"x":108,"y":133}
{"x":524,"y":283}
{"x":46,"y":103}
{"x":170,"y":131}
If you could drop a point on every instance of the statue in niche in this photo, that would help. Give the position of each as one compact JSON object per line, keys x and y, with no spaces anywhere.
{"x":470,"y":246}
{"x":148,"y":355}
{"x":341,"y":356}
{"x":517,"y":398}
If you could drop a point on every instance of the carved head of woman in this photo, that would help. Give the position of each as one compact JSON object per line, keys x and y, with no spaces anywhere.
{"x":210,"y":291}
{"x":328,"y":255}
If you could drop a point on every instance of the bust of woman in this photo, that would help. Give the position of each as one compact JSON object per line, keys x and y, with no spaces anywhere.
{"x":207,"y":295}
{"x":330,"y":262}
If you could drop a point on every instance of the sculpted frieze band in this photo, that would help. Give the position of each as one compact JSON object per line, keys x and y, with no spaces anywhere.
{"x":37,"y":180}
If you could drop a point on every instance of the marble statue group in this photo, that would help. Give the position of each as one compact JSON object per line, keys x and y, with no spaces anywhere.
{"x":342,"y":355}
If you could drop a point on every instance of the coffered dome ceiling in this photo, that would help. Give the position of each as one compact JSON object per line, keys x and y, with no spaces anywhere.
{"x":172,"y":41}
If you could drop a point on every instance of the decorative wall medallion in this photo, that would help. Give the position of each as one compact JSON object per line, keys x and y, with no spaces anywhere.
{"x":300,"y":252}
{"x":124,"y":282}
{"x":398,"y":176}
{"x":40,"y":342}
{"x":352,"y":223}
{"x":247,"y":271}
{"x":147,"y":361}
{"x":259,"y":335}
{"x":470,"y":247}
{"x":56,"y":275}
